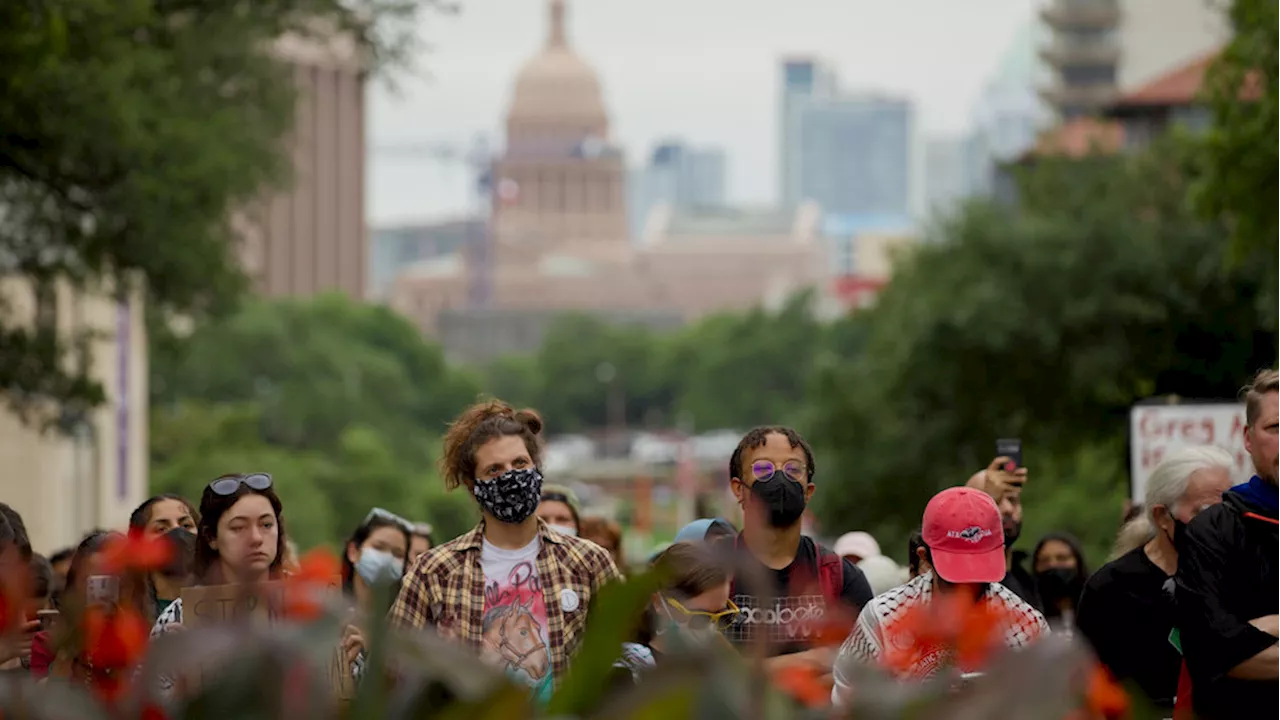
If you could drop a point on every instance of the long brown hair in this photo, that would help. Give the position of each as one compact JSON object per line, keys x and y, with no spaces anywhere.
{"x":604,"y":532}
{"x":212,"y":507}
{"x":476,"y":426}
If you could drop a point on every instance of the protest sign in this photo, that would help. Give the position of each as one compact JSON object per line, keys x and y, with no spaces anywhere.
{"x":265,"y":603}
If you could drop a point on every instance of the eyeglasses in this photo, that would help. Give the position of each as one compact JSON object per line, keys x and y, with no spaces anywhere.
{"x":698,"y":619}
{"x":387,"y":516}
{"x":229,"y":484}
{"x":764,"y":469}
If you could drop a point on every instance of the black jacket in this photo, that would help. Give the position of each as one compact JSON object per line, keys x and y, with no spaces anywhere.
{"x":1227,"y":577}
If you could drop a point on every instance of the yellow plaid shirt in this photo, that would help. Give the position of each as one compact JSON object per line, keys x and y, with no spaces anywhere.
{"x":445,"y":589}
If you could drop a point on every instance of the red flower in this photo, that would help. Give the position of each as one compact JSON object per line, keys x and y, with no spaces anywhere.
{"x":317,"y":570}
{"x":804,"y":683}
{"x":950,"y":625}
{"x":1104,"y":697}
{"x":114,"y":640}
{"x":152,"y":712}
{"x":136,"y":552}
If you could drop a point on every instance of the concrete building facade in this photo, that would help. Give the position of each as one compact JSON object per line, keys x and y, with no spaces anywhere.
{"x":87,"y":471}
{"x":310,"y":237}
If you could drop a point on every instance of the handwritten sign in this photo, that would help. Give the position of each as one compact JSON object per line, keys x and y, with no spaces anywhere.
{"x":1157,"y":430}
{"x":212,"y":604}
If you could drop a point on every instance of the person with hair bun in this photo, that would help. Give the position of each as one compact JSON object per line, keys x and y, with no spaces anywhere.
{"x":513,"y":589}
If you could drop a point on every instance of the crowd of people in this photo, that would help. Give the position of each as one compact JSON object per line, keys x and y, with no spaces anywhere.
{"x":1185,"y":611}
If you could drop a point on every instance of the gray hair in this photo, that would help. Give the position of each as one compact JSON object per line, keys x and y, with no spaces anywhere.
{"x":1168,"y":483}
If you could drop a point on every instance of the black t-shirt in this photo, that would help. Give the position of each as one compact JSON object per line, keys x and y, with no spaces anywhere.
{"x":794,"y":610}
{"x":1022,"y":582}
{"x":1127,"y":613}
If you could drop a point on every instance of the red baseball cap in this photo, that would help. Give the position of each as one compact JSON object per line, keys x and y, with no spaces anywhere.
{"x":965,"y":538}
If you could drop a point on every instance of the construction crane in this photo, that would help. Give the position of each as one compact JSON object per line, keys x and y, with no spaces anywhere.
{"x":479,"y":159}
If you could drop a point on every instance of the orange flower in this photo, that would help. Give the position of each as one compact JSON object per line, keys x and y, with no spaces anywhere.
{"x":805,"y":684}
{"x":316,"y":570}
{"x":1104,"y":696}
{"x":114,"y":640}
{"x":136,"y":552}
{"x":951,"y":626}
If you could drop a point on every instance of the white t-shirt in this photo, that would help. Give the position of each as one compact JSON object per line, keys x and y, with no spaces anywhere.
{"x":514,"y":632}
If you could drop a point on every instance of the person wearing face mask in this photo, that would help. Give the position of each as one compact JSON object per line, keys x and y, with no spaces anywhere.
{"x":513,"y":589}
{"x":1004,"y":483}
{"x":1126,"y":610}
{"x":1060,"y":571}
{"x":786,"y":584}
{"x":687,"y":613}
{"x":375,"y":553}
{"x":559,"y":508}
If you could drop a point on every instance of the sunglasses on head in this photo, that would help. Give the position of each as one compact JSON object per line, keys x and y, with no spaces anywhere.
{"x":387,"y":516}
{"x":698,"y":619}
{"x":229,"y":484}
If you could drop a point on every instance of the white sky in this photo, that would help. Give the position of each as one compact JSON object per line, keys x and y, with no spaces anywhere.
{"x":705,"y":71}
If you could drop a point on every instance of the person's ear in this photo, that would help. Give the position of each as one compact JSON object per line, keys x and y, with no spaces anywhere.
{"x":808,"y":491}
{"x":353,"y":553}
{"x":740,"y":490}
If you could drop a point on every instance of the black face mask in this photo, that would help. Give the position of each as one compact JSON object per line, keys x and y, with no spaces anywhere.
{"x":783,"y":497}
{"x":1058,"y":583}
{"x":512,"y":496}
{"x":1011,"y":534}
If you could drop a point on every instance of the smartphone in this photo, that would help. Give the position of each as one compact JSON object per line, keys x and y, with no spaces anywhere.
{"x":47,"y":618}
{"x":103,"y":590}
{"x":1012,"y":449}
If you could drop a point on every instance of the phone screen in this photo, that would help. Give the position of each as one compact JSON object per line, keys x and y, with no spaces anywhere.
{"x":103,"y":590}
{"x":1012,"y":449}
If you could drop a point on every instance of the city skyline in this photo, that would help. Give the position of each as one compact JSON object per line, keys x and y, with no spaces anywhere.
{"x":661,"y":82}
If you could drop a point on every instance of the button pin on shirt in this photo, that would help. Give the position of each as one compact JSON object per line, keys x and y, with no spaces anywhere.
{"x":568,"y":600}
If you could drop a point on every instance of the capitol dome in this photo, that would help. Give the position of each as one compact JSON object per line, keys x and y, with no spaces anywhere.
{"x":557,"y":87}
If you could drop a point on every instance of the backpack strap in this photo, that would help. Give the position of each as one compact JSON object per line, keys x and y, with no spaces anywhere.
{"x":830,"y":573}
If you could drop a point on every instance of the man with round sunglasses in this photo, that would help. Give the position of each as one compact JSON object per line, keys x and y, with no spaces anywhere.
{"x":787,"y":585}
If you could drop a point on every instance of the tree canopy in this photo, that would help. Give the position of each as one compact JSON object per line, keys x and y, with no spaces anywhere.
{"x":132,"y":133}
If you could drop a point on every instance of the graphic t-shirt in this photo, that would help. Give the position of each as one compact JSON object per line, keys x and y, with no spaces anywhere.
{"x":791,"y":612}
{"x":514,"y":630}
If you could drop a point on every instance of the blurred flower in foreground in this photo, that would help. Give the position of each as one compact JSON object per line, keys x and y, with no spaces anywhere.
{"x":951,"y":626}
{"x":316,"y":571}
{"x":1104,"y":696}
{"x":136,"y":552}
{"x":113,"y":643}
{"x":805,"y":683}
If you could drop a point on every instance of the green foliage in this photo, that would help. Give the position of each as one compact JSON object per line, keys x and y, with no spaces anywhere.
{"x":1044,"y":321}
{"x":341,"y":401}
{"x":132,"y":133}
{"x":1241,"y":151}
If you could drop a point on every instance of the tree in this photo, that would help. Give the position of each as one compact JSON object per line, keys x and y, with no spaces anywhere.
{"x":132,"y":132}
{"x":1043,"y":321}
{"x":315,"y":368}
{"x":1241,"y":150}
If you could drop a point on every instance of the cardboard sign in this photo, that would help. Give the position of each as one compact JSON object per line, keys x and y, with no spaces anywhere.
{"x":212,"y":604}
{"x":1157,"y":430}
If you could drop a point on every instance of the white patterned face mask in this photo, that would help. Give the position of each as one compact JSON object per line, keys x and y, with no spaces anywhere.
{"x":565,"y":530}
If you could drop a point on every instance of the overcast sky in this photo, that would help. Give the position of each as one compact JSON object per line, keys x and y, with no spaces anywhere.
{"x":702,"y":70}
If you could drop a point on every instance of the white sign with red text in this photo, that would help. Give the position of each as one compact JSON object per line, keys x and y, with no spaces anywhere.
{"x":1157,"y":430}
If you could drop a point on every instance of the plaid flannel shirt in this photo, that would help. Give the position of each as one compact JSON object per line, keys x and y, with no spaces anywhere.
{"x":445,"y":589}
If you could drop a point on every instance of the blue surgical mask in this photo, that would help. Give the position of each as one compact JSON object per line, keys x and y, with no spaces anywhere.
{"x":379,"y":565}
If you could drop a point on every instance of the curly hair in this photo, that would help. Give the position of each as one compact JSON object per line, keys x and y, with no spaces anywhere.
{"x":757,"y":437}
{"x":479,"y":424}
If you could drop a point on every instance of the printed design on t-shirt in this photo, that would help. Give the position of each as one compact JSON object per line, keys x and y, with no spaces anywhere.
{"x":788,"y":619}
{"x":514,"y":630}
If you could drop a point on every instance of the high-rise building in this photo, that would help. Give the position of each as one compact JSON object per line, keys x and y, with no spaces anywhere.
{"x":310,"y":237}
{"x":849,"y":153}
{"x":804,"y":80}
{"x":678,"y":175}
{"x":856,"y":154}
{"x":1084,"y":53}
{"x":1100,"y":48}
